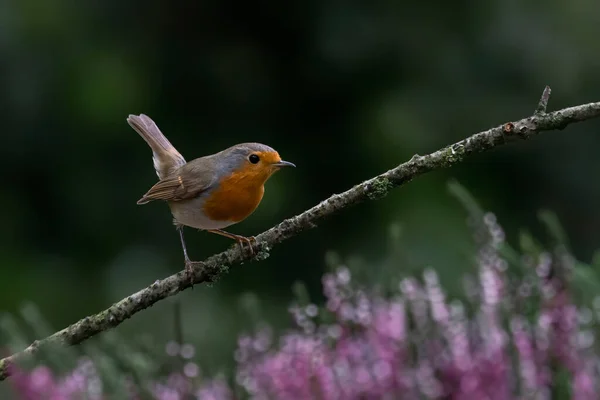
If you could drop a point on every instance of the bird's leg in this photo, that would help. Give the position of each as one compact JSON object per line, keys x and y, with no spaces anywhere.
{"x":238,"y":238}
{"x":189,"y":264}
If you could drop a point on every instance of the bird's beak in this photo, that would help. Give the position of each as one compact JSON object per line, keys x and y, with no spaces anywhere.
{"x":284,"y":164}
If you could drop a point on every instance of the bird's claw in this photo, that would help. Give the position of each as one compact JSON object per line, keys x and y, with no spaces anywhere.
{"x":250,"y":241}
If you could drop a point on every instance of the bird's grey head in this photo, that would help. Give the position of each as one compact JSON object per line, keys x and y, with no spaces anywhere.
{"x":256,"y":157}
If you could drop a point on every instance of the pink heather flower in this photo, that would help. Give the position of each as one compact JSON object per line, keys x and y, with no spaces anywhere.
{"x":217,"y":389}
{"x":419,"y":346}
{"x":41,"y":383}
{"x":436,"y":297}
{"x":585,"y":387}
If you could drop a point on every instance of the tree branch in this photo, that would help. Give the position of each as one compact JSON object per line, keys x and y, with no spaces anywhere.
{"x":213,"y":267}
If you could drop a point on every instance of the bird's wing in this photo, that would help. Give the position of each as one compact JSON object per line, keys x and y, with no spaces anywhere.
{"x":186,"y":182}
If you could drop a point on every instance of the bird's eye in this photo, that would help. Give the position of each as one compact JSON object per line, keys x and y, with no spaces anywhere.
{"x":253,"y":158}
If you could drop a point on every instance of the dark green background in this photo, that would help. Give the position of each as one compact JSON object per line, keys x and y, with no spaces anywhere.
{"x":343,"y":89}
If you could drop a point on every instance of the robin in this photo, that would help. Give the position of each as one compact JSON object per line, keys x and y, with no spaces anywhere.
{"x":211,"y":192}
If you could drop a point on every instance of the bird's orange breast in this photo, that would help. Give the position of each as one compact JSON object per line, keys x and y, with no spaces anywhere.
{"x":236,"y":197}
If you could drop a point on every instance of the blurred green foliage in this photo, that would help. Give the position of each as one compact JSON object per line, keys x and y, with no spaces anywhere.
{"x":343,"y":89}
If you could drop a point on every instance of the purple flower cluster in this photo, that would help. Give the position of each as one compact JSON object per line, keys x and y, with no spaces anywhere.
{"x":412,"y":344}
{"x":418,"y":345}
{"x":83,"y":382}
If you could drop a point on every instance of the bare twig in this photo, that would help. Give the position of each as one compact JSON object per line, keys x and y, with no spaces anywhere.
{"x":375,"y":188}
{"x":543,"y":104}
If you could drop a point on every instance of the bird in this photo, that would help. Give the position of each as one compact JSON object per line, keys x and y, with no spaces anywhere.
{"x":209,"y":193}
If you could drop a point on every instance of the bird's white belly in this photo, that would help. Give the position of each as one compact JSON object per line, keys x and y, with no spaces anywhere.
{"x":192,"y":216}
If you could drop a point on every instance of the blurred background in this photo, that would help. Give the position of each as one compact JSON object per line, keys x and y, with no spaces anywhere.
{"x":344,"y":90}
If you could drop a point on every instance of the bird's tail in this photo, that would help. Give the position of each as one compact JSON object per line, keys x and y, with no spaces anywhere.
{"x":166,"y":157}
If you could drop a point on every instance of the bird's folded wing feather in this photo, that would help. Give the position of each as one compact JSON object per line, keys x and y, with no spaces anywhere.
{"x":187,"y":182}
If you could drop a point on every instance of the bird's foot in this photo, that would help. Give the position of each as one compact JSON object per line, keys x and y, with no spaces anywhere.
{"x":239,"y":239}
{"x":250,"y":241}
